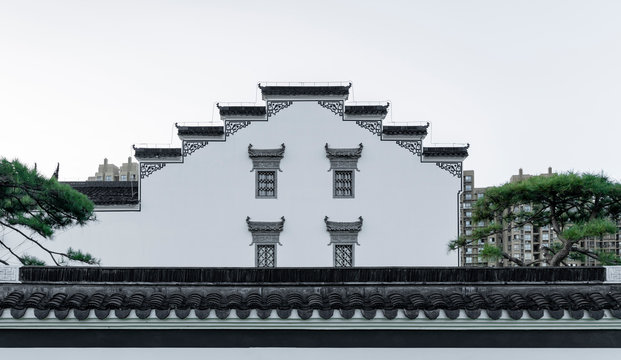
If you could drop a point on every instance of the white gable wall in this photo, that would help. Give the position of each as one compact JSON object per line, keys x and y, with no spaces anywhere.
{"x":193,"y":214}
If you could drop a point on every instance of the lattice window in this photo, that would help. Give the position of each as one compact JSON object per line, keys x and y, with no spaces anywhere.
{"x":343,"y":255}
{"x":343,"y":183}
{"x":266,"y":255}
{"x":266,"y":184}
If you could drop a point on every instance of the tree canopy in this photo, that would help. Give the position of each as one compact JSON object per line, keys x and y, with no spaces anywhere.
{"x":36,"y":207}
{"x":575,"y":206}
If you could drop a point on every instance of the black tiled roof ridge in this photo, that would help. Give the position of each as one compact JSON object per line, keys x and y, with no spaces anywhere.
{"x":405,"y":129}
{"x":355,"y":109}
{"x":314,"y":275}
{"x":242,"y":110}
{"x":156,"y":152}
{"x":305,"y":90}
{"x":446,"y":150}
{"x":308,"y":299}
{"x":108,"y":192}
{"x":102,"y":184}
{"x":200,"y":129}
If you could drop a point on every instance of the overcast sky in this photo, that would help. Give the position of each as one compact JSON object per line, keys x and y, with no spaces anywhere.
{"x":528,"y":84}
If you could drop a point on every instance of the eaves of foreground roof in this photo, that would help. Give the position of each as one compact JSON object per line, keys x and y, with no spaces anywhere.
{"x":385,"y":292}
{"x":311,"y":307}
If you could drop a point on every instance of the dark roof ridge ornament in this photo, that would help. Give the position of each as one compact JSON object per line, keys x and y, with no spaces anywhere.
{"x":343,"y":232}
{"x":266,"y":158}
{"x":345,"y":158}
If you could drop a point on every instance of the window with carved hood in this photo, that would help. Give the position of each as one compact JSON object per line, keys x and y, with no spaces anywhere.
{"x":343,"y":162}
{"x":266,"y":162}
{"x":343,"y":237}
{"x":265,"y":237}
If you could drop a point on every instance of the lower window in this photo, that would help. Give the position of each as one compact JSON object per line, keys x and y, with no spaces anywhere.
{"x":266,"y":256}
{"x":343,"y":255}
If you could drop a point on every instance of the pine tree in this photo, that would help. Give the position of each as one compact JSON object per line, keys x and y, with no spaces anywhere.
{"x":36,"y":207}
{"x":575,"y":206}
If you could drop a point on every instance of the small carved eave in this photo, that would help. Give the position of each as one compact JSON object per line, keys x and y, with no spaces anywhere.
{"x":266,"y":153}
{"x":349,"y":153}
{"x":354,"y":226}
{"x":265,"y":226}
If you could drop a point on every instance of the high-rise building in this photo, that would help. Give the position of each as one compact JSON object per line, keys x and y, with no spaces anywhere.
{"x":109,"y":172}
{"x":525,"y":242}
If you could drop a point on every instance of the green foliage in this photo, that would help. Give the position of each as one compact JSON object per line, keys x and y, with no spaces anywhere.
{"x":608,"y":258}
{"x":33,"y":204}
{"x":77,"y":255}
{"x":491,"y":252}
{"x":591,"y":228}
{"x":575,"y":206}
{"x":32,"y":261}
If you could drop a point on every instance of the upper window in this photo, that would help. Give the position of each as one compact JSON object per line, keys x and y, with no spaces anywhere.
{"x":468,"y":187}
{"x":108,"y":177}
{"x":343,"y":184}
{"x":344,"y":163}
{"x":266,"y":162}
{"x":266,"y":184}
{"x":468,"y":178}
{"x":123,"y":177}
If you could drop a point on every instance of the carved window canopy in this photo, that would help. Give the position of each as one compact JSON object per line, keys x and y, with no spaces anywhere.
{"x":266,"y":158}
{"x":265,"y":232}
{"x":343,"y":233}
{"x":343,"y":159}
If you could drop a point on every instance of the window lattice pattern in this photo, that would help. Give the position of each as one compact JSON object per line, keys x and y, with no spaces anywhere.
{"x":343,"y":255}
{"x":266,"y":256}
{"x":343,"y":184}
{"x":266,"y":184}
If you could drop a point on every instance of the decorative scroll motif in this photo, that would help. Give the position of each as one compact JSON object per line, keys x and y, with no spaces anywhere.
{"x":266,"y":158}
{"x":454,"y":168}
{"x":344,"y":159}
{"x":147,"y":169}
{"x":343,"y":255}
{"x":231,"y":127}
{"x":189,"y":147}
{"x":337,"y":107}
{"x":343,"y":232}
{"x":415,"y":147}
{"x":375,"y":127}
{"x":273,"y":107}
{"x":9,"y":274}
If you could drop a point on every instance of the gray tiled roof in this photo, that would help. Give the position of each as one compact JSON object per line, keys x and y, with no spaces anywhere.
{"x":413,"y":292}
{"x":108,"y":192}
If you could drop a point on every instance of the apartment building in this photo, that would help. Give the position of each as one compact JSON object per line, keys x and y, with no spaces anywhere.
{"x":526,"y":242}
{"x":109,"y":172}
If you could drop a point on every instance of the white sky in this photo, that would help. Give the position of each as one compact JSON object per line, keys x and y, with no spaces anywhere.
{"x":528,"y":84}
